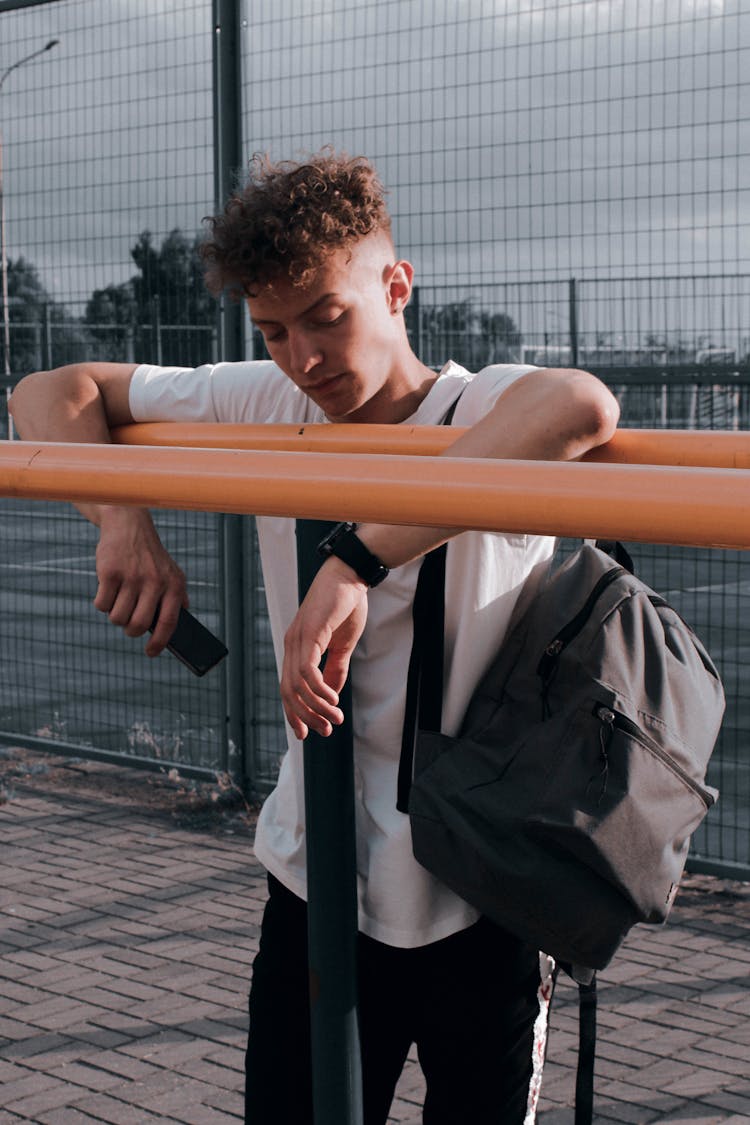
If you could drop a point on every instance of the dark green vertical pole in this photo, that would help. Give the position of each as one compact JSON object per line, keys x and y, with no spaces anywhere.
{"x":332,"y":896}
{"x":227,"y":114}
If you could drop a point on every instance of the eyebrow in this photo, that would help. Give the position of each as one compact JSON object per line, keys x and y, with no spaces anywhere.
{"x":305,"y":312}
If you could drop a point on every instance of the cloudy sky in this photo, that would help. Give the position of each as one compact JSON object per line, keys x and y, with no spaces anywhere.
{"x":521,"y":139}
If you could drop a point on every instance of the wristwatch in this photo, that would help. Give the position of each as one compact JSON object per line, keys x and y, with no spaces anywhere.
{"x":343,"y":542}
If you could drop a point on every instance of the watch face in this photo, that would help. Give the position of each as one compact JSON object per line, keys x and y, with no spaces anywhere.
{"x":327,"y":542}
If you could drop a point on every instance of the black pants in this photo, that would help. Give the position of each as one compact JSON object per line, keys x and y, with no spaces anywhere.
{"x":468,"y":1002}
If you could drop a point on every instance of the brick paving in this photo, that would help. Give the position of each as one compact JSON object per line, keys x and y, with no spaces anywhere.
{"x":126,"y":942}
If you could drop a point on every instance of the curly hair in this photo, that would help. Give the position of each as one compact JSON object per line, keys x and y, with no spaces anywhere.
{"x":289,"y":217}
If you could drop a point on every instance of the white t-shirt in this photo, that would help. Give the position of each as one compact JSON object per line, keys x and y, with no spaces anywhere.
{"x":400,"y":903}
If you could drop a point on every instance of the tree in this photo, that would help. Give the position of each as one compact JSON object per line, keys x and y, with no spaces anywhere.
{"x":173,"y":274}
{"x":42,"y":332}
{"x":111,"y":317}
{"x":163,"y":313}
{"x":169,"y":291}
{"x":473,"y":338}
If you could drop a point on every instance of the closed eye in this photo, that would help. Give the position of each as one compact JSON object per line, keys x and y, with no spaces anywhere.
{"x":331,"y":323}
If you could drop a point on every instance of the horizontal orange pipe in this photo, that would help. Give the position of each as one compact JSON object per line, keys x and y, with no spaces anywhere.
{"x":717,"y":448}
{"x":662,"y":504}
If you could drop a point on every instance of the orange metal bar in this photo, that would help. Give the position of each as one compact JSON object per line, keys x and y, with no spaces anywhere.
{"x":657,"y":504}
{"x":314,"y":438}
{"x":719,"y":449}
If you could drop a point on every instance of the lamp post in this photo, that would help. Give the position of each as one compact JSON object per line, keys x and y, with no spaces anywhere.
{"x":3,"y":255}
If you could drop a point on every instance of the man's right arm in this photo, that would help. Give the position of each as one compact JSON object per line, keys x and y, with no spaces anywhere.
{"x":83,"y":402}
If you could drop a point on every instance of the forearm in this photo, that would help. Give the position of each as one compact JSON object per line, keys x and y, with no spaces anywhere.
{"x":545,"y":416}
{"x":69,"y":405}
{"x":138,"y":580}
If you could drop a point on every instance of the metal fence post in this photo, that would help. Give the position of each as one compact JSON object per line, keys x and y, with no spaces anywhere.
{"x":227,"y":108}
{"x":46,"y":332}
{"x":573,"y":320}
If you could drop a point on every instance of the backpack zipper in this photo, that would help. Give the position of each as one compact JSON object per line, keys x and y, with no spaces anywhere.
{"x":574,"y":626}
{"x":615,"y":721}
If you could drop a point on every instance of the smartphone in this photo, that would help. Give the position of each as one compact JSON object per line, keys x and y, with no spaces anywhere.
{"x":194,"y":644}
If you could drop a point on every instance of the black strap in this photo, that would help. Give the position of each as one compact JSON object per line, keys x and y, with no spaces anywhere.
{"x":424,"y":684}
{"x":309,"y":533}
{"x":618,"y":552}
{"x":424,"y":708}
{"x":586,"y":1052}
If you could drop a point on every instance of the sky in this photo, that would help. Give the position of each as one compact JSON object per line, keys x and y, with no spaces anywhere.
{"x":524,"y":142}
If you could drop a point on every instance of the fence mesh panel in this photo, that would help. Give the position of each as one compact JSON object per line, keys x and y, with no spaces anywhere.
{"x":569,"y":178}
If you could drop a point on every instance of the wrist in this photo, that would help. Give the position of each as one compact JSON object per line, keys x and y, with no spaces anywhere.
{"x":344,"y":574}
{"x":114,"y":515}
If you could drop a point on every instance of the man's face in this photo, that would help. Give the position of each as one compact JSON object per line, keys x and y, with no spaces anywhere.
{"x":338,"y":338}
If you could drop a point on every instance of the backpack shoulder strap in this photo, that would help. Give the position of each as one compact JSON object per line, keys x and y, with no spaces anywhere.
{"x":424,"y":708}
{"x":424,"y":684}
{"x":586,"y":1052}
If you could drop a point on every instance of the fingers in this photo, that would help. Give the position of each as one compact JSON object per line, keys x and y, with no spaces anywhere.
{"x":330,"y":620}
{"x":309,"y":702}
{"x":140,"y":588}
{"x":136,"y":609}
{"x":165,"y":618}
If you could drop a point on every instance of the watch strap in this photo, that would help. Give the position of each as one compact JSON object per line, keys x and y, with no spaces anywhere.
{"x":345,"y":544}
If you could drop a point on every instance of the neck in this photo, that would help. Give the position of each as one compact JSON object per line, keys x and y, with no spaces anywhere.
{"x":397,"y":400}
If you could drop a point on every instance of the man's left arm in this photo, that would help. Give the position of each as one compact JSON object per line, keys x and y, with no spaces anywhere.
{"x":545,"y":415}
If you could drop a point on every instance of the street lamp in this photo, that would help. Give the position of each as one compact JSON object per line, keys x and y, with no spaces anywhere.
{"x":3,"y":255}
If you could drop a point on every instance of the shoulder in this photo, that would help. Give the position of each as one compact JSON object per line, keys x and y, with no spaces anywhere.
{"x":484,"y":388}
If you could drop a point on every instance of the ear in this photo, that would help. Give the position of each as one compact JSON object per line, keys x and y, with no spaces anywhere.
{"x":398,"y":281}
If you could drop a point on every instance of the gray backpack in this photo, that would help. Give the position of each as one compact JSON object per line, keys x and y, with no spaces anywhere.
{"x":564,"y":807}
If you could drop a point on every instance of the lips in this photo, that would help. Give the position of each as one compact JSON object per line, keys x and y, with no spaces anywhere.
{"x":323,"y":385}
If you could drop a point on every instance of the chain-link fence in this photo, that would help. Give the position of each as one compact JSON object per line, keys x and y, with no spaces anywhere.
{"x":570,"y":180}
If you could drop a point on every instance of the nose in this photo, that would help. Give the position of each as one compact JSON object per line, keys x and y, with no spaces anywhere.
{"x":304,"y":353}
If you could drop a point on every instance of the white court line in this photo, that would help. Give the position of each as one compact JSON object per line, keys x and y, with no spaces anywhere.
{"x":742,"y":588}
{"x":71,"y":516}
{"x":73,"y":560}
{"x":33,"y":514}
{"x":52,"y":568}
{"x":47,"y":568}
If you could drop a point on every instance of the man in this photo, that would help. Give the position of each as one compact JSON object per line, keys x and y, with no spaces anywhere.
{"x":309,"y":247}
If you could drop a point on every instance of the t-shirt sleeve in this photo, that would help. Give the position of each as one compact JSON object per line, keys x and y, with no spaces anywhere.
{"x":253,"y":392}
{"x":485,"y":389}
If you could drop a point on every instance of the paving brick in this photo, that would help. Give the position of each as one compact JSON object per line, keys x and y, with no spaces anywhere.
{"x":102,"y":1107}
{"x":35,"y":1044}
{"x":211,"y":1073}
{"x":129,"y":1025}
{"x":26,"y":1085}
{"x":88,"y":1077}
{"x":65,"y":1115}
{"x":11,"y":1072}
{"x":99,"y":1036}
{"x":206,"y":1115}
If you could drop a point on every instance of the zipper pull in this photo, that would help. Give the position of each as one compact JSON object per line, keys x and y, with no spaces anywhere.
{"x":606,"y":730}
{"x":546,"y":664}
{"x":606,"y":716}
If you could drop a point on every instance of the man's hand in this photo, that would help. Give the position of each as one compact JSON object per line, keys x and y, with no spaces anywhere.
{"x":137,"y":577}
{"x":329,"y":622}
